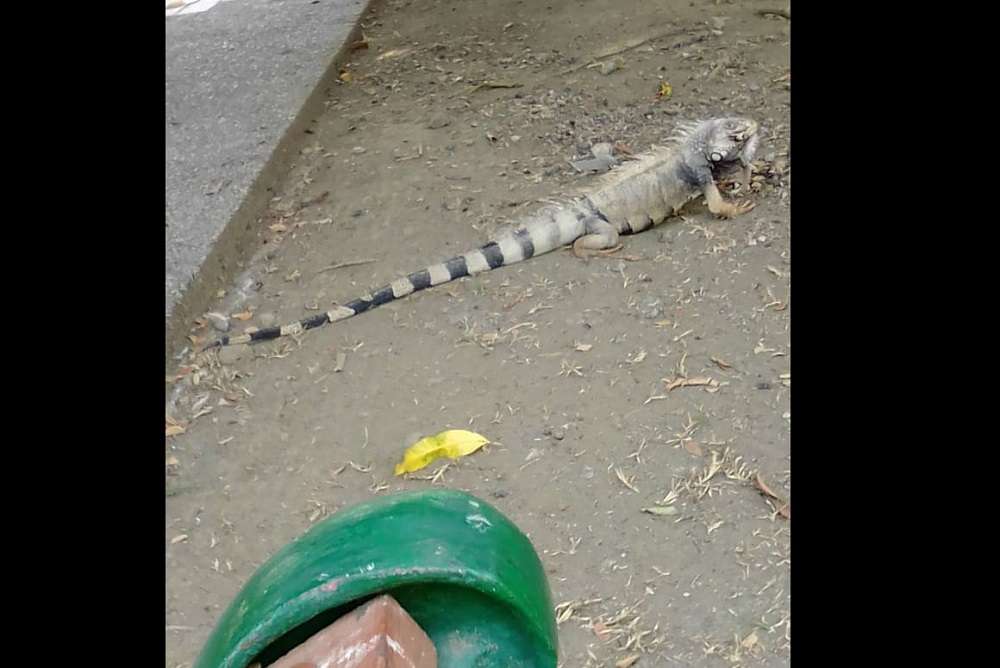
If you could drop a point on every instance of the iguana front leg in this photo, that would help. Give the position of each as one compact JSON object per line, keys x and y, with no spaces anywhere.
{"x":720,"y":207}
{"x":601,"y":239}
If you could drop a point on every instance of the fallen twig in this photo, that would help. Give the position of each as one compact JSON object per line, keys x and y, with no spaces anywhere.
{"x":349,"y":263}
{"x":628,"y":46}
{"x":489,"y":84}
{"x":783,"y":13}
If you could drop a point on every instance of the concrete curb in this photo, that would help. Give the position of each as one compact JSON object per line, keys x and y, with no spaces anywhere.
{"x":236,"y":243}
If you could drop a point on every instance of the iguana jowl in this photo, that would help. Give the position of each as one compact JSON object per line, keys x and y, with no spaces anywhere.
{"x":629,"y":199}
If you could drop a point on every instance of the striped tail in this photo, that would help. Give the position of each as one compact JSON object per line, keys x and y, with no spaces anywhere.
{"x":550,"y":229}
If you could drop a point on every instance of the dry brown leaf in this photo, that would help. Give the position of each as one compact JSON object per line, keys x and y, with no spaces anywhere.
{"x":749,"y":641}
{"x":346,"y":76}
{"x":600,"y":630}
{"x":172,"y":461}
{"x":786,"y":508}
{"x":584,"y":347}
{"x":661,"y":510}
{"x":181,"y":373}
{"x":625,"y":481}
{"x":693,"y":448}
{"x":278,"y":227}
{"x":762,"y":486}
{"x":196,"y":340}
{"x":394,"y":53}
{"x":175,"y":430}
{"x":721,"y":364}
{"x":627,"y":661}
{"x":245,"y":315}
{"x":178,"y":539}
{"x":564,"y":611}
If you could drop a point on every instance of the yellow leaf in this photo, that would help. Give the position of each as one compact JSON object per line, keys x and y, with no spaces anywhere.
{"x":452,"y":444}
{"x":665,"y":90}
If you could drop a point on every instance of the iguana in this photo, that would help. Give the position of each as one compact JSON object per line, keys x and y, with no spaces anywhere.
{"x":631,"y":198}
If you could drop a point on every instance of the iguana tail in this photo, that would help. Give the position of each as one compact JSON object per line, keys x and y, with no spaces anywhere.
{"x":550,"y":228}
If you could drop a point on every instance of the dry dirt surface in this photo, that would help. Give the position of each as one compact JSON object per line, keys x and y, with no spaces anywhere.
{"x":660,"y":508}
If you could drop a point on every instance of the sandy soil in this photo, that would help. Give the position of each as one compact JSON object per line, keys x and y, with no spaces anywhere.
{"x":563,"y":363}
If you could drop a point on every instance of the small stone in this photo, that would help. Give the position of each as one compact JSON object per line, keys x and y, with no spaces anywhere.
{"x":558,"y":434}
{"x":609,"y":66}
{"x":438,"y":122}
{"x":500,"y":493}
{"x":763,"y":386}
{"x":598,"y":165}
{"x":219,"y":321}
{"x":650,"y":309}
{"x":233,"y":354}
{"x":602,"y":150}
{"x":358,"y":150}
{"x":267,"y":319}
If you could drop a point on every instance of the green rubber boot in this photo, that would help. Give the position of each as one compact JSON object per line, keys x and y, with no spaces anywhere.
{"x":463,"y":571}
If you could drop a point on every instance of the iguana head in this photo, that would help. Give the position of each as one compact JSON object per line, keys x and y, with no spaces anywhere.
{"x":729,"y":140}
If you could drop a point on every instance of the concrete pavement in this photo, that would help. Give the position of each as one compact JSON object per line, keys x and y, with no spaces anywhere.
{"x":242,"y":79}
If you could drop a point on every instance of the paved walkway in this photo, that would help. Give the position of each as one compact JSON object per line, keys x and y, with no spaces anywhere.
{"x":238,"y":74}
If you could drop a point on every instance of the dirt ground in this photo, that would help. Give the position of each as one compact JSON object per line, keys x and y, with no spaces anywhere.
{"x":563,"y":363}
